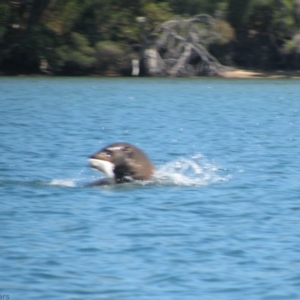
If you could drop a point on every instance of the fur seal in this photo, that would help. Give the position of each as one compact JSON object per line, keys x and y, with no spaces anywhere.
{"x":121,"y":162}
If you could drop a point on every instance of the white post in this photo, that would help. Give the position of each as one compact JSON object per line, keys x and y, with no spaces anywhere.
{"x":135,"y":67}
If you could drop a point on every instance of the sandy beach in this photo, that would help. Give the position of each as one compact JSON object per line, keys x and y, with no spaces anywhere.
{"x":239,"y":73}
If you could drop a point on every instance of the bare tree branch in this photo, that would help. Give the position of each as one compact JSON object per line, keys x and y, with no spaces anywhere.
{"x":179,"y":48}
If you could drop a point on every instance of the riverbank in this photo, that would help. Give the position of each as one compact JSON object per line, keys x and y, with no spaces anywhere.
{"x":234,"y":73}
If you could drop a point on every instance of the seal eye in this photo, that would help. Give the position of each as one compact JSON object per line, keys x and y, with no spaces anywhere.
{"x":107,"y":153}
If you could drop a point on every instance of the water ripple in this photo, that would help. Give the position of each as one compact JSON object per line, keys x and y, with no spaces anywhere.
{"x":219,"y":220}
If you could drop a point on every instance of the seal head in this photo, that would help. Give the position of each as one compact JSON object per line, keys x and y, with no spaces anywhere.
{"x":121,"y":162}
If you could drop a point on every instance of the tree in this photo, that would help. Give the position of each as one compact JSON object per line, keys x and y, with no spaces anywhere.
{"x":26,"y":38}
{"x":265,"y":29}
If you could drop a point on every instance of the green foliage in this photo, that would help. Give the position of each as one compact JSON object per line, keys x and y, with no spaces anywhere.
{"x":62,"y":15}
{"x":77,"y":54}
{"x":108,"y":51}
{"x":194,"y":7}
{"x":225,"y":33}
{"x":156,"y":13}
{"x":4,"y":18}
{"x":292,"y":46}
{"x":238,"y":11}
{"x":104,"y":35}
{"x":38,"y":39}
{"x":110,"y":56}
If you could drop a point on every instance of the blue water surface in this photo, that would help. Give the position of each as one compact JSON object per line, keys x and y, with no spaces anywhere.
{"x":219,"y":220}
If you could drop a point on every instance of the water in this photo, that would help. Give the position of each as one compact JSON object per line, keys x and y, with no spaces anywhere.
{"x":219,"y":220}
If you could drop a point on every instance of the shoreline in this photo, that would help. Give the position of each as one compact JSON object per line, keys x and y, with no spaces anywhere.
{"x":232,"y":74}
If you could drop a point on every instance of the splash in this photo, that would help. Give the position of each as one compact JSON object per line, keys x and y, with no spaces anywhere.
{"x":193,"y":171}
{"x":63,"y":182}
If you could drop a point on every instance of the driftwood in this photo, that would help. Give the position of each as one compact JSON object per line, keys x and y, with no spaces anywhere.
{"x":178,"y":48}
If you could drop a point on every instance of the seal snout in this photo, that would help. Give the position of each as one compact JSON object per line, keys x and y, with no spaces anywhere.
{"x":101,"y":155}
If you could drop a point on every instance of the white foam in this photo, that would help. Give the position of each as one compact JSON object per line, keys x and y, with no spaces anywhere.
{"x":63,"y":182}
{"x":194,"y":171}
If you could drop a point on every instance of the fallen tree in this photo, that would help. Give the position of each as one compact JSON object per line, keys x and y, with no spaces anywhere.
{"x":178,"y":48}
